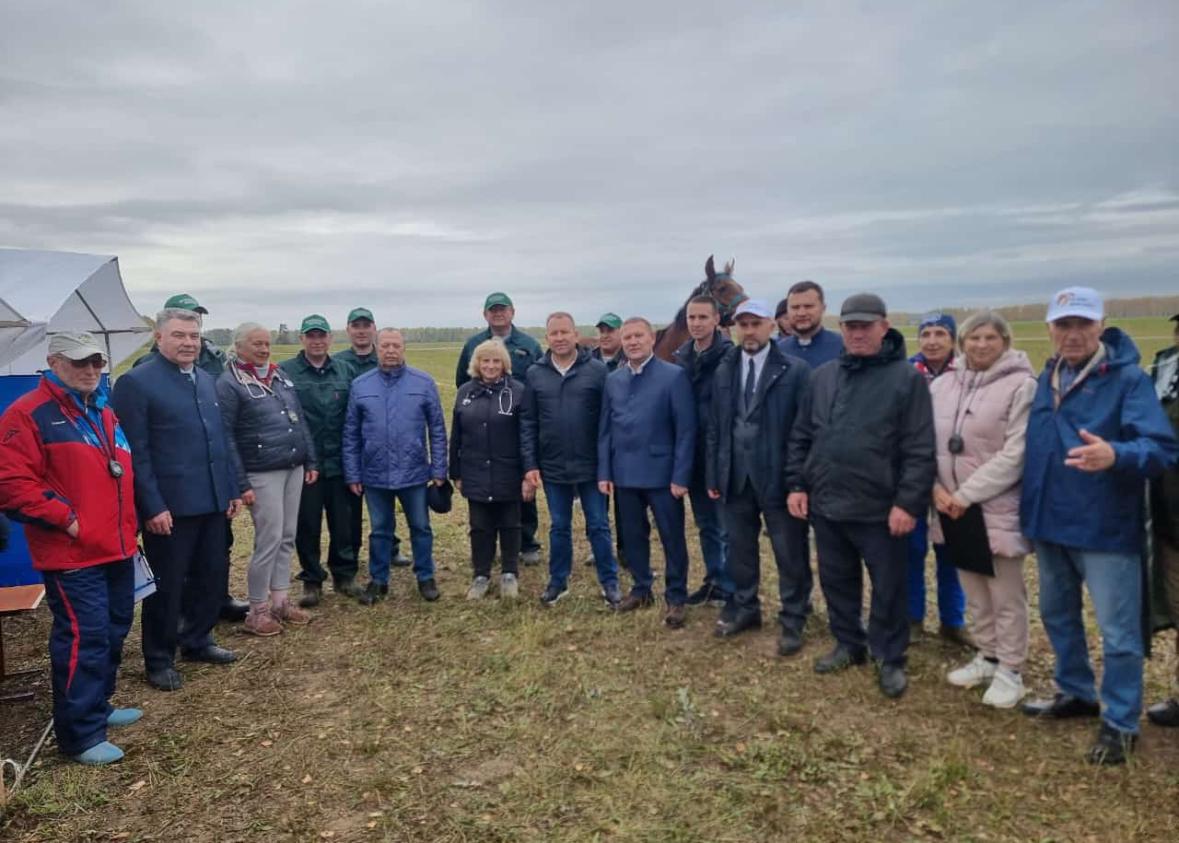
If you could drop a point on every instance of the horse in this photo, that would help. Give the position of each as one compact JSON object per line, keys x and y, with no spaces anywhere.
{"x":725,"y":292}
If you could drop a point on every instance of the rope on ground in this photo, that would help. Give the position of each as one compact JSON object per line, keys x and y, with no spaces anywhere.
{"x":19,"y":769}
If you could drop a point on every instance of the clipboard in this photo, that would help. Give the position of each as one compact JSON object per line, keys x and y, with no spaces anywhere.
{"x":967,"y":541}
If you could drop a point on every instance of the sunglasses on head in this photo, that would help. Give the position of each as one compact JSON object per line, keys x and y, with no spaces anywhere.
{"x":94,"y":361}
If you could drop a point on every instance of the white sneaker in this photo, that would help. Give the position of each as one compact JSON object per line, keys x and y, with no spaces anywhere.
{"x":978,"y":671}
{"x":478,"y":588}
{"x":1006,"y":689}
{"x":509,"y":587}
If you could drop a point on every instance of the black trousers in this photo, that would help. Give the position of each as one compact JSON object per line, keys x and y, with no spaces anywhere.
{"x":490,"y":521}
{"x":191,"y":578}
{"x":529,"y":522}
{"x":356,"y":525}
{"x":744,"y":512}
{"x":842,"y":544}
{"x":328,"y":496}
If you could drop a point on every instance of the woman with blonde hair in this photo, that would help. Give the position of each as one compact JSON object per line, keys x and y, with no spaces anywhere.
{"x":980,"y":415}
{"x":486,"y":466}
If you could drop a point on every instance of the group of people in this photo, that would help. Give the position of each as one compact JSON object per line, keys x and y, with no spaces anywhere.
{"x":839,"y":434}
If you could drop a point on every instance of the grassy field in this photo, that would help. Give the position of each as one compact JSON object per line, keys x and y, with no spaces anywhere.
{"x":492,"y":722}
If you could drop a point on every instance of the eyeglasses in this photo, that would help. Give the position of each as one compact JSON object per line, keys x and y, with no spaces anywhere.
{"x":94,"y":361}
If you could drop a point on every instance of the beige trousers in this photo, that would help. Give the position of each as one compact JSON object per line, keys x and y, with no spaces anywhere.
{"x":998,"y":609}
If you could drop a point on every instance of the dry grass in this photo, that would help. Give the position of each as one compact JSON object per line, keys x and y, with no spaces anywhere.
{"x":490,"y":722}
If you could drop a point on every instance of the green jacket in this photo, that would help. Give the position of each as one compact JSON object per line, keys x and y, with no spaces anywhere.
{"x":361,"y":364}
{"x":211,"y":359}
{"x":523,"y":349}
{"x":323,"y":394}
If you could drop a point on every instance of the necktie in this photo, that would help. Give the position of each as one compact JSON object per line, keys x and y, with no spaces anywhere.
{"x":750,"y":383}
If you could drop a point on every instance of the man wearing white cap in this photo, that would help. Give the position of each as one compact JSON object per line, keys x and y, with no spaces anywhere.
{"x":756,"y":393}
{"x":1095,"y":433}
{"x":65,"y":473}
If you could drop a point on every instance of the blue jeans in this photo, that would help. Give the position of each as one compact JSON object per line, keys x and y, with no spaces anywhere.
{"x":714,"y":540}
{"x":951,"y":600}
{"x":1115,"y":585}
{"x":597,"y":527}
{"x":380,"y":540}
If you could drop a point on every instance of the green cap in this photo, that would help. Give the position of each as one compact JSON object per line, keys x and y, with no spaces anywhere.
{"x":610,"y":320}
{"x":360,"y":313}
{"x":183,"y":301}
{"x":315,"y":322}
{"x":496,"y":299}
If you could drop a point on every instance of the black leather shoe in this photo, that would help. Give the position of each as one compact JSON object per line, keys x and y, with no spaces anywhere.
{"x":1165,"y":714}
{"x":233,"y":610}
{"x":841,"y":658}
{"x":1111,"y":747}
{"x":789,"y":642}
{"x":400,"y":560}
{"x":210,"y":655}
{"x":738,"y":623}
{"x":428,"y":589}
{"x":312,"y":594}
{"x":372,"y":593}
{"x":893,"y":681}
{"x":1061,"y":707}
{"x":165,"y":679}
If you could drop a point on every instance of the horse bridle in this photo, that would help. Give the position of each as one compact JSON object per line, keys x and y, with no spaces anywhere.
{"x":725,"y":310}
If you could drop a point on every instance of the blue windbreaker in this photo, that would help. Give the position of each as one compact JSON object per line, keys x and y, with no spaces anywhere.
{"x":1100,"y":511}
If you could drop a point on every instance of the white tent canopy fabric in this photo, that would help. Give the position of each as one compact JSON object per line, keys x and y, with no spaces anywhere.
{"x":43,"y":293}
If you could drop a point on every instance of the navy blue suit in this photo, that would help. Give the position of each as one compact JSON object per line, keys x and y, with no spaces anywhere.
{"x":183,"y":466}
{"x":646,"y":442}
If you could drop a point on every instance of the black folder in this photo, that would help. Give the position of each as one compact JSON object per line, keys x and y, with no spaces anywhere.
{"x":967,"y":541}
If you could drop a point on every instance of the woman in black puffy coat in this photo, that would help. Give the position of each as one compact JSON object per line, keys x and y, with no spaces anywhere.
{"x":486,"y":466}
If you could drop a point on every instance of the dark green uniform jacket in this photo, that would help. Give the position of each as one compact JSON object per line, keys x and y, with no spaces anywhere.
{"x":323,"y":393}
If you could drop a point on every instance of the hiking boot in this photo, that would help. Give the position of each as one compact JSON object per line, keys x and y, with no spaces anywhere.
{"x":373,"y":593}
{"x":346,"y":586}
{"x":675,"y":617}
{"x":509,"y":587}
{"x":1111,"y":747}
{"x":975,"y":672}
{"x":288,"y":612}
{"x":552,"y":593}
{"x":1006,"y":689}
{"x":840,"y":658}
{"x":634,"y":601}
{"x":955,"y":635}
{"x":261,"y":623}
{"x":428,"y":589}
{"x":478,"y":589}
{"x":312,"y":594}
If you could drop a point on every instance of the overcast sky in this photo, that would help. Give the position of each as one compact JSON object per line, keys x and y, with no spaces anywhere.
{"x":279,"y":158}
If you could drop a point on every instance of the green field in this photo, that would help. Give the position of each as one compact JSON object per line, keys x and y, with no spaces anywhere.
{"x":492,"y":722}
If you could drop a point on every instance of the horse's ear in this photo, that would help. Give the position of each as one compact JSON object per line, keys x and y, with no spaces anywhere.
{"x":729,"y":266}
{"x":709,"y":269}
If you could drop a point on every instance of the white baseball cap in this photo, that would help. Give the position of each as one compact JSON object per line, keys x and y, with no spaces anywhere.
{"x":754,"y":307}
{"x":1084,"y":302}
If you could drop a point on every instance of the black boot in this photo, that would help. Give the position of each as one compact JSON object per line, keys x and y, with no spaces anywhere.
{"x":373,"y":592}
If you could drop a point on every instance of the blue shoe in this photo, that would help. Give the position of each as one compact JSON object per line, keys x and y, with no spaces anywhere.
{"x":123,"y":716}
{"x":100,"y":754}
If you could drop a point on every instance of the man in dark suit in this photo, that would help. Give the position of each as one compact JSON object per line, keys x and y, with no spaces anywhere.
{"x":756,"y":393}
{"x":646,"y":441}
{"x":185,"y":492}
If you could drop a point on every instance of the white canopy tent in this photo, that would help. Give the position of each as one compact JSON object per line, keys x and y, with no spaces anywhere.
{"x":42,"y":293}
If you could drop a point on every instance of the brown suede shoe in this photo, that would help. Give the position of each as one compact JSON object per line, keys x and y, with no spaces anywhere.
{"x":288,"y":612}
{"x":634,"y":601}
{"x":261,"y":623}
{"x":675,"y":616}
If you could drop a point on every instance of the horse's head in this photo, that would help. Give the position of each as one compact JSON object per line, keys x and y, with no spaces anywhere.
{"x":722,"y":288}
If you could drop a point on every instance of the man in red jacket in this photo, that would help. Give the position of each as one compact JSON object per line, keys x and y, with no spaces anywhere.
{"x":65,"y":473}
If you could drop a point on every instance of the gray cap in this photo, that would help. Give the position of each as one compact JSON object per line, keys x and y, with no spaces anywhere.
{"x":863,"y":307}
{"x":75,"y":345}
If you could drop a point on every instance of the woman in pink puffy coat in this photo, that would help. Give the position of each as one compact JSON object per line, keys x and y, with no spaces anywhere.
{"x":980,"y":415}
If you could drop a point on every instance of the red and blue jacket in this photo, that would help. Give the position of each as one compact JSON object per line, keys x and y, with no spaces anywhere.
{"x":56,"y":458}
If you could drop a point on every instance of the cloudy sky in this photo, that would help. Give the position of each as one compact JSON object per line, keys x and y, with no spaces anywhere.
{"x":278,"y":158}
